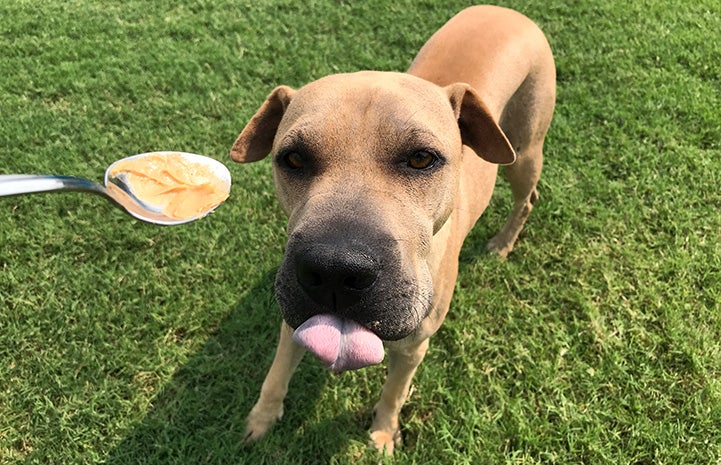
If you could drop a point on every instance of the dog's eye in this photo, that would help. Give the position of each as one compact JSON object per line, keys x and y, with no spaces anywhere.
{"x":422,"y":160}
{"x":293,"y":160}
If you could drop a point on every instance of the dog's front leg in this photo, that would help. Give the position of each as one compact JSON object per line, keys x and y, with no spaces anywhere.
{"x":402,"y":365}
{"x":269,"y":407}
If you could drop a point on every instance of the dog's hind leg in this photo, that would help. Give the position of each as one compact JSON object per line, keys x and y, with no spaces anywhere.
{"x":269,"y":407}
{"x":523,"y":177}
{"x":525,"y":121}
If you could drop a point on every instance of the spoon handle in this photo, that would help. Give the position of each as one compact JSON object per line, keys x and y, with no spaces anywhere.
{"x":17,"y":184}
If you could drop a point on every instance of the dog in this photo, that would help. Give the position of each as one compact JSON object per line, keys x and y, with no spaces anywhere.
{"x":382,"y":176}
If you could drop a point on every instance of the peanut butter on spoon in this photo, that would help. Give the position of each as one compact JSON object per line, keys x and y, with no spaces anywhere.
{"x":179,"y":186}
{"x":164,"y":188}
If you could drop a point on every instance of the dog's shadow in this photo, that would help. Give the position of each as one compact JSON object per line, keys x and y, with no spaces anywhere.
{"x":199,"y":416}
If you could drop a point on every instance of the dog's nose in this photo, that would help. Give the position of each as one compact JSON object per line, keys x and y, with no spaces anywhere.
{"x":336,"y":278}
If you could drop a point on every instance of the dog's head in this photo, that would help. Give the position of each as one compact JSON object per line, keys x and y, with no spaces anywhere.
{"x":366,"y":167}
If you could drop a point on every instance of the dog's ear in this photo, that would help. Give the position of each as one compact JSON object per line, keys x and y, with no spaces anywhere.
{"x":256,"y":139}
{"x":478,"y":129}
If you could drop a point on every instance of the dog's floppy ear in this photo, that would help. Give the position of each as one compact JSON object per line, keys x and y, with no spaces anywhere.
{"x":478,"y":129}
{"x":256,"y":139}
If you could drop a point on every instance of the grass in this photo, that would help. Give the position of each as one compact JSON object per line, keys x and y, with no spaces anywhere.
{"x":596,"y":342}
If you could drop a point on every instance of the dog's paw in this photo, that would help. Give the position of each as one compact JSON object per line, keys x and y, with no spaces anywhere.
{"x":259,"y":421}
{"x":499,"y":246}
{"x":385,"y":441}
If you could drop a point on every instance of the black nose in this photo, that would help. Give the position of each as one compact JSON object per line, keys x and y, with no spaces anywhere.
{"x":336,"y":277}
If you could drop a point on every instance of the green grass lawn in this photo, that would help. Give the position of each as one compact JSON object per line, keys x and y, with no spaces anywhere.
{"x":597,"y":342}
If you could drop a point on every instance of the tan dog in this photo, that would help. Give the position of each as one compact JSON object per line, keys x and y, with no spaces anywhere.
{"x":382,"y":176}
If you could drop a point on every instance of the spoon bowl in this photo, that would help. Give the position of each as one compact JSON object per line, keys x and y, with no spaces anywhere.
{"x":145,"y":186}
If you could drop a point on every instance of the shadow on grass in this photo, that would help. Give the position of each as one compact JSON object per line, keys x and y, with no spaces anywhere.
{"x":199,"y":416}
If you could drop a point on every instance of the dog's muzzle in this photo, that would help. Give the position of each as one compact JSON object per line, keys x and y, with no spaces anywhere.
{"x":351,"y":270}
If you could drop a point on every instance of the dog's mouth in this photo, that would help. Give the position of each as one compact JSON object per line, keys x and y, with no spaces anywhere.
{"x":340,"y":343}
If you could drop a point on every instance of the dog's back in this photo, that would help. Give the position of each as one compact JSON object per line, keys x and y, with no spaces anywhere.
{"x":494,"y":49}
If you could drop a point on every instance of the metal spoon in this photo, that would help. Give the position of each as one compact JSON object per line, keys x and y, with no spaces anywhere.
{"x":117,"y":187}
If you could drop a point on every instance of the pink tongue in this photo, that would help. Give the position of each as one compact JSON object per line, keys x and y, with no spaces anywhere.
{"x":340,"y":343}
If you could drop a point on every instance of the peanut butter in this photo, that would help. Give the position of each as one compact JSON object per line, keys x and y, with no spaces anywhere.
{"x":181,"y":187}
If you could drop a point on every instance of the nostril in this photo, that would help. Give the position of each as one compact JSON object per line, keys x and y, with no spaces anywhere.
{"x":314,"y":279}
{"x":308,"y":276}
{"x":359,"y":281}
